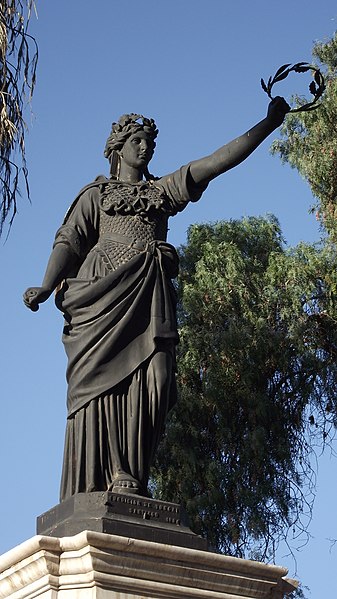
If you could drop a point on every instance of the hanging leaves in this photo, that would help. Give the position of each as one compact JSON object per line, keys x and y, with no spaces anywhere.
{"x":255,"y":361}
{"x":316,"y":87}
{"x":18,"y":59}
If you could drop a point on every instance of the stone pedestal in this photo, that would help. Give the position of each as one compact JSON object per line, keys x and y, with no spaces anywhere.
{"x":123,"y":515}
{"x":95,"y":565}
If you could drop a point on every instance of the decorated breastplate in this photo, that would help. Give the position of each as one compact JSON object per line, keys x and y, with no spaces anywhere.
{"x":139,"y":211}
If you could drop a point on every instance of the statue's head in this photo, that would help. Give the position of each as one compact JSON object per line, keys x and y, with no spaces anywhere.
{"x":128,"y":124}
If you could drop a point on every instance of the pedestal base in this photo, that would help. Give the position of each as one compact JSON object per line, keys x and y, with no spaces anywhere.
{"x":94,"y":565}
{"x":125,"y":515}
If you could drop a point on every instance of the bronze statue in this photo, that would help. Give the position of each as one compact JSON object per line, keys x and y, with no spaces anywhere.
{"x":111,"y":268}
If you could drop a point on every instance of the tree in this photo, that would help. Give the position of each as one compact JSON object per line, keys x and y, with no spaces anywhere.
{"x":309,"y":141}
{"x":18,"y":53}
{"x":309,"y":144}
{"x":257,"y":387}
{"x":257,"y":359}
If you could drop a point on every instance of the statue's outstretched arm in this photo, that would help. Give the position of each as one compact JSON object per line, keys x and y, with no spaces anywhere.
{"x":59,"y":265}
{"x":231,"y":154}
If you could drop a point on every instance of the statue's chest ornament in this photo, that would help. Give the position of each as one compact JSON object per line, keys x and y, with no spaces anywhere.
{"x":141,"y":199}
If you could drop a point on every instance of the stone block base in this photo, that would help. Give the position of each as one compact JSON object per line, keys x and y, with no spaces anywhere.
{"x":123,"y":515}
{"x":94,"y":565}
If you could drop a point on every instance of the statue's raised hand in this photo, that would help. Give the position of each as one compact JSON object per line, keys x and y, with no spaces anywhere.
{"x":34,"y":296}
{"x":277,"y":110}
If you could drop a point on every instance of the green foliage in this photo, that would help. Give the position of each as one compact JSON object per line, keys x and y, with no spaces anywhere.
{"x":258,"y":357}
{"x":18,"y":58}
{"x":298,"y":593}
{"x":256,"y":384}
{"x":309,"y":141}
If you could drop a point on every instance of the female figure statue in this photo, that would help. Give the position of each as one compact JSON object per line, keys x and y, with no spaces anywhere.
{"x":111,"y":268}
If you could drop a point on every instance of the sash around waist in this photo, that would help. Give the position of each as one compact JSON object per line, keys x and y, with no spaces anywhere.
{"x":138,"y":244}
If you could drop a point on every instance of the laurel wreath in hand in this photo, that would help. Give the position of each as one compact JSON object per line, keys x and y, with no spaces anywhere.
{"x":316,"y":87}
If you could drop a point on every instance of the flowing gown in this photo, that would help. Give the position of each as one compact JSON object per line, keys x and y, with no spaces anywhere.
{"x":120,"y":328}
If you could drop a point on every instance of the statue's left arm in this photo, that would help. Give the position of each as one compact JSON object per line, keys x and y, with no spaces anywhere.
{"x":237,"y":150}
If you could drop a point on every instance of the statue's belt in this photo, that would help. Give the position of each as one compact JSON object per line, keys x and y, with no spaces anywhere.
{"x":157,"y":247}
{"x":142,"y":246}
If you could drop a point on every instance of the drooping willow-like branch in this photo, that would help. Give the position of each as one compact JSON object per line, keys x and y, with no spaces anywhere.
{"x":18,"y":60}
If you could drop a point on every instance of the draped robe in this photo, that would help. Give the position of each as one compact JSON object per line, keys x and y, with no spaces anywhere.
{"x":120,"y":328}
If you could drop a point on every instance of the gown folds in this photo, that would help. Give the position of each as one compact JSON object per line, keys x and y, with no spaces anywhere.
{"x":120,"y":330}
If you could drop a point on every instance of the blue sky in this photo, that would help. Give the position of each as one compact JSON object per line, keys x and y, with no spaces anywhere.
{"x":195,"y":67}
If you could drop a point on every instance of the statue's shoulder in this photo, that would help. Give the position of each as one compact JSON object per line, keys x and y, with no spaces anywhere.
{"x":96,"y":184}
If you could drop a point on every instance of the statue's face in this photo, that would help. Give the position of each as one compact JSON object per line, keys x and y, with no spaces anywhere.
{"x":137,"y":150}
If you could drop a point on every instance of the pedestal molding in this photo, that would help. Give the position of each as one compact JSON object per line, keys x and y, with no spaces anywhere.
{"x":93,"y":563}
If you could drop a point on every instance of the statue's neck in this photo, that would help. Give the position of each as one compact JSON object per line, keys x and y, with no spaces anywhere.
{"x":129,"y":174}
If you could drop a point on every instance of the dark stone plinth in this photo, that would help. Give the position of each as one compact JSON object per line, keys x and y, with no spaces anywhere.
{"x":125,"y":515}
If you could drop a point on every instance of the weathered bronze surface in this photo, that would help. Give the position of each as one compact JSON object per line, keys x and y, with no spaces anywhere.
{"x":124,"y":515}
{"x":112,"y":268}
